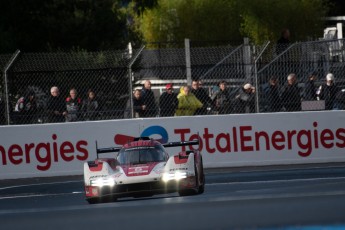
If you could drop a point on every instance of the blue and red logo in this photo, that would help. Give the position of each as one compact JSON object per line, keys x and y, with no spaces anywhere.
{"x":163,"y":137}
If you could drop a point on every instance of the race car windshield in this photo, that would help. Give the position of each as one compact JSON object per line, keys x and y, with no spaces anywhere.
{"x":140,"y":155}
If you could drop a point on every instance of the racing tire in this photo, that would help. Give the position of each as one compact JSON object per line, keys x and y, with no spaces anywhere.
{"x":195,"y":191}
{"x":105,"y":199}
{"x":202,"y":186}
{"x":93,"y":200}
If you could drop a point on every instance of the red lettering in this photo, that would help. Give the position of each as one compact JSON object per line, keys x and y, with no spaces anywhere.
{"x":43,"y":153}
{"x":45,"y":159}
{"x":327,"y":135}
{"x":55,"y":148}
{"x":28,"y":147}
{"x":13,"y":152}
{"x":66,"y":148}
{"x":81,"y":148}
{"x":316,"y":135}
{"x":207,"y":136}
{"x":340,"y":134}
{"x":305,"y":146}
{"x":182,"y":133}
{"x":278,"y":137}
{"x":234,"y":134}
{"x":290,"y":134}
{"x":196,"y":137}
{"x":226,"y":138}
{"x":257,"y":141}
{"x":244,"y":138}
{"x":3,"y":155}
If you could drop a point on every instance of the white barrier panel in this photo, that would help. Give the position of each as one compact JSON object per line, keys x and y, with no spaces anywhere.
{"x":226,"y":141}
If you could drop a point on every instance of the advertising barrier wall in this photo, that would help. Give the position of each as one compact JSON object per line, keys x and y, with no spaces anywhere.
{"x":225,"y":141}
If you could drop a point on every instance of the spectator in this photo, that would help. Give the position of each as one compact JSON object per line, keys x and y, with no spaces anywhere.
{"x":291,"y":98}
{"x":310,"y":90}
{"x":328,"y":91}
{"x":56,"y":106}
{"x":202,"y":96}
{"x":168,"y":102}
{"x":222,"y":99}
{"x":26,"y":109}
{"x":283,"y":42}
{"x":148,"y":99}
{"x":339,"y":103}
{"x":138,"y":106}
{"x":273,"y":95}
{"x":245,"y":99}
{"x":73,"y":106}
{"x":187,"y":102}
{"x":90,"y":106}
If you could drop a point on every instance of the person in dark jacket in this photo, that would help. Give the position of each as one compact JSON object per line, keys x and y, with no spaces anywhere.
{"x":222,"y":99}
{"x":138,"y":106}
{"x":245,"y":99}
{"x":273,"y":95}
{"x":291,"y":98}
{"x":148,"y":99}
{"x":168,"y":102}
{"x":339,"y":103}
{"x":309,"y":89}
{"x":73,"y":106}
{"x":56,"y":107}
{"x":90,"y":106}
{"x":26,"y":109}
{"x":202,"y":95}
{"x":283,"y":42}
{"x":328,"y":92}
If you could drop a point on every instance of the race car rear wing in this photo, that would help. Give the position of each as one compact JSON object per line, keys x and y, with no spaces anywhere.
{"x":166,"y":145}
{"x":107,"y":150}
{"x":181,"y":143}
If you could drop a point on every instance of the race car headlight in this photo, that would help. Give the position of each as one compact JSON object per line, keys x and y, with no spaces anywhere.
{"x":174,"y":176}
{"x":102,"y":182}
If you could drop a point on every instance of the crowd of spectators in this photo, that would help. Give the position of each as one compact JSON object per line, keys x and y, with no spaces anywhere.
{"x":290,"y":96}
{"x":58,"y":108}
{"x":190,"y":100}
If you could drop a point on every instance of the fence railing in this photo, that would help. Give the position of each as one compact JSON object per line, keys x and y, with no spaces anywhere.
{"x":226,"y":80}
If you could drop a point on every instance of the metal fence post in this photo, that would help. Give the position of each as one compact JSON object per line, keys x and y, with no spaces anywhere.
{"x":7,"y":67}
{"x":256,"y":77}
{"x":247,"y":59}
{"x":188,"y":63}
{"x":130,"y":76}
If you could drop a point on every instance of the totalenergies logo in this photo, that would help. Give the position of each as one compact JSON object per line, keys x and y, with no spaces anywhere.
{"x":248,"y":138}
{"x":158,"y":132}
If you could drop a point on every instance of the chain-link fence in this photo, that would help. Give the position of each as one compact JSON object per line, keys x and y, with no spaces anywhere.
{"x":292,"y":80}
{"x":104,"y":73}
{"x":224,"y":79}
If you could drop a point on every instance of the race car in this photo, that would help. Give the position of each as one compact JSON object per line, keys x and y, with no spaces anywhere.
{"x":143,"y":168}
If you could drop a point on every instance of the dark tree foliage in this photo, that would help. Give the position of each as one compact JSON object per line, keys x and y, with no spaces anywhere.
{"x":53,"y":25}
{"x":142,"y":5}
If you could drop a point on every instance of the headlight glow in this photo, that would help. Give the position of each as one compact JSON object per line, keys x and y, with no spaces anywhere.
{"x":102,"y":182}
{"x":174,"y":176}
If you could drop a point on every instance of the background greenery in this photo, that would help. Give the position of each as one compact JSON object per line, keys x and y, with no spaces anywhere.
{"x":92,"y":25}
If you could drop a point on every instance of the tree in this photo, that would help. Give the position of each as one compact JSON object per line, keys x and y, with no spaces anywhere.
{"x":40,"y":25}
{"x":263,"y":20}
{"x":259,"y":20}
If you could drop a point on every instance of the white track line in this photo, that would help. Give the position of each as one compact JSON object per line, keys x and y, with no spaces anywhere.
{"x":29,"y":185}
{"x":277,"y":181}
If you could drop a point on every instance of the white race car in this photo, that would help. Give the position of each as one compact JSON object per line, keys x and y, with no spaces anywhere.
{"x":142,"y":168}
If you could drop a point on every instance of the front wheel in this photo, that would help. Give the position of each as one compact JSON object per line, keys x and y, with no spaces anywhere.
{"x":199,"y":189}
